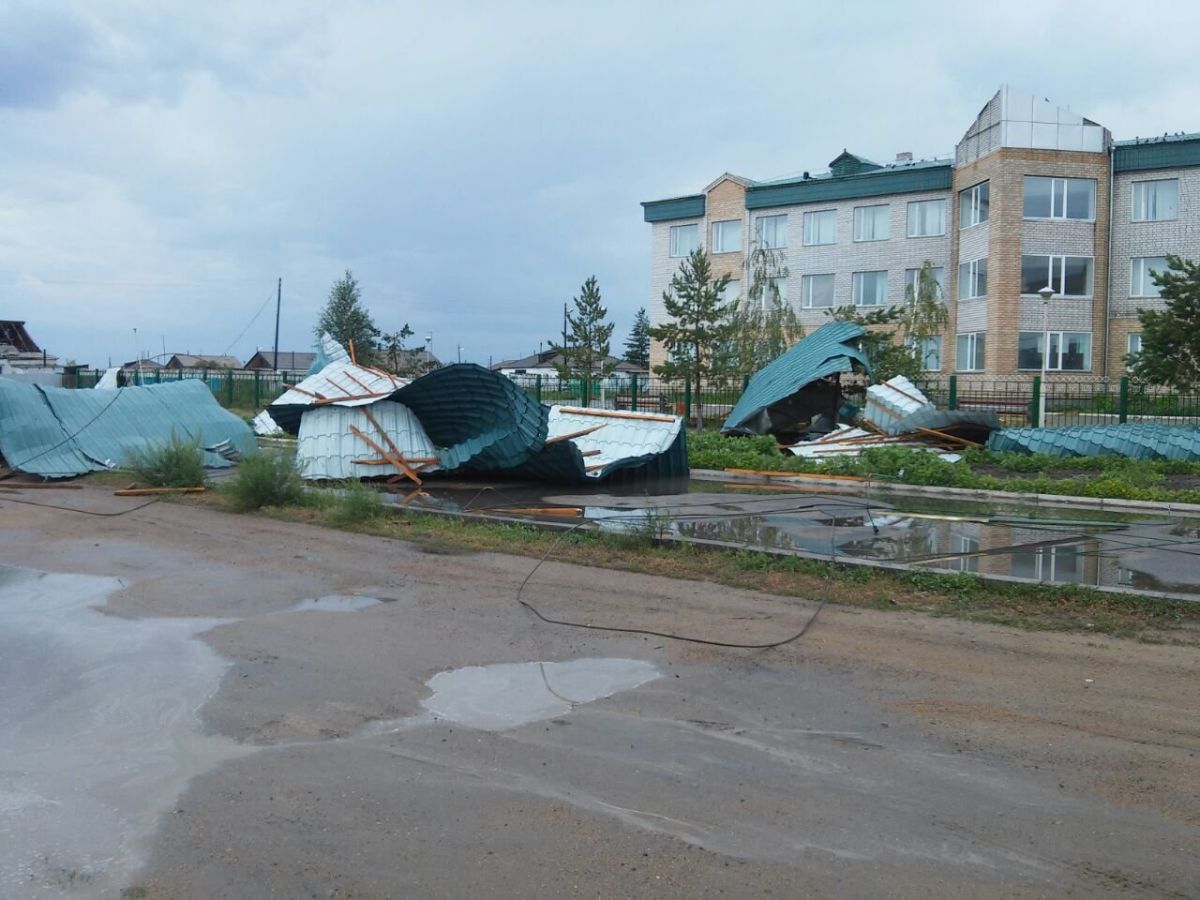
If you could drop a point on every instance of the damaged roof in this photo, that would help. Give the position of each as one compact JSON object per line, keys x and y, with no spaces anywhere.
{"x":827,"y":351}
{"x":1140,"y":440}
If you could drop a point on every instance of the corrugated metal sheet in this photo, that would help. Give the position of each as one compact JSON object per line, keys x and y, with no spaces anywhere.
{"x":55,"y":432}
{"x":327,"y":448}
{"x":826,"y":351}
{"x":898,"y":407}
{"x":933,"y":177}
{"x":1158,"y":154}
{"x":624,"y":442}
{"x":1134,"y":441}
{"x":480,"y":420}
{"x":673,"y":208}
{"x":355,"y":386}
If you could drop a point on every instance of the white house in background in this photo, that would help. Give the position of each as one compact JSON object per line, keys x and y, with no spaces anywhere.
{"x":546,"y":364}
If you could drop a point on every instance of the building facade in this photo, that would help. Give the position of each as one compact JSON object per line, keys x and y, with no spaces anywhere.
{"x":1035,"y":196}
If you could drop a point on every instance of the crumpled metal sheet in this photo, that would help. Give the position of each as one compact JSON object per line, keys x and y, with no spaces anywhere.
{"x":1138,"y":440}
{"x":327,"y":448}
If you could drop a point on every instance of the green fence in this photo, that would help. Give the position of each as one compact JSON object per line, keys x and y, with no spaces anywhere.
{"x":636,"y":393}
{"x":244,"y":389}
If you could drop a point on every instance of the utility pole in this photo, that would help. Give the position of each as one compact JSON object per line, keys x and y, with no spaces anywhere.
{"x":278,"y":301}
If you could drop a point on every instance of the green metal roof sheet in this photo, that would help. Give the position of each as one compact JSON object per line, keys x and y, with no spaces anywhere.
{"x":826,"y":351}
{"x":925,"y":176}
{"x":1141,"y":440}
{"x":673,"y":208}
{"x":1171,"y":152}
{"x":56,"y":433}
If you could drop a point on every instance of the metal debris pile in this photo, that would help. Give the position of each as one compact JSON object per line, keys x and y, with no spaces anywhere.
{"x":356,"y":421}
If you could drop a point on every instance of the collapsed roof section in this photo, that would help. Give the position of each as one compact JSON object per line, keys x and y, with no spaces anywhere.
{"x":1142,"y":440}
{"x":57,"y":433}
{"x":897,"y":406}
{"x":797,"y":387}
{"x":340,"y":383}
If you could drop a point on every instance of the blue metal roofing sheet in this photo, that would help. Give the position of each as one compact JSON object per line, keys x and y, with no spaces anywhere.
{"x":824,"y":352}
{"x":673,"y":208}
{"x":936,"y":176}
{"x":1172,"y":152}
{"x":1140,"y":440}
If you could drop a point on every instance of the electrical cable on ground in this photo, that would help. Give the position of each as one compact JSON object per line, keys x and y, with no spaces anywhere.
{"x":86,"y":512}
{"x":69,"y":437}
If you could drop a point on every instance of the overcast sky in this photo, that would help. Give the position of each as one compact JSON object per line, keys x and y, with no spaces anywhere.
{"x":473,"y":163}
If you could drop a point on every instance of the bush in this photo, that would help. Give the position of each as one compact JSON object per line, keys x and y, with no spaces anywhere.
{"x":265,"y":479}
{"x":177,"y":463}
{"x":357,"y":504}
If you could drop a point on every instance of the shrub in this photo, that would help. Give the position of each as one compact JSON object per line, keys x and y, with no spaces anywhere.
{"x":177,"y":463}
{"x":357,"y":504}
{"x":265,"y":479}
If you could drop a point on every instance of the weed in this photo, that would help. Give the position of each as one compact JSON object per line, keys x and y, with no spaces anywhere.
{"x":356,"y":505}
{"x":265,"y":479}
{"x":176,"y":463}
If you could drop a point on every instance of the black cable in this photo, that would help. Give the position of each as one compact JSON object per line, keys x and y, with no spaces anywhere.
{"x":70,"y":437}
{"x":86,"y":512}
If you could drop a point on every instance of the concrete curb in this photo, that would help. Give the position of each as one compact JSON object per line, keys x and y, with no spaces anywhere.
{"x":838,"y":486}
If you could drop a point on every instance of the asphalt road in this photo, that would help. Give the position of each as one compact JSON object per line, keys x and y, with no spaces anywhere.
{"x":277,"y":746}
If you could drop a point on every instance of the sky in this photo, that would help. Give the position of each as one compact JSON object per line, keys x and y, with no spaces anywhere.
{"x":162,"y":165}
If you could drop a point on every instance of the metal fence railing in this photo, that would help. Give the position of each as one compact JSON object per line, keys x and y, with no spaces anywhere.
{"x":1068,"y":402}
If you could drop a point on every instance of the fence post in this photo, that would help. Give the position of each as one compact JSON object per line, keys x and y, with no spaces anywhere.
{"x":1035,"y":402}
{"x":257,"y":389}
{"x":633,"y":386}
{"x":952,"y":401}
{"x":745,"y":383}
{"x":1123,"y":401}
{"x":229,"y":387}
{"x":537,"y":388}
{"x":687,"y":401}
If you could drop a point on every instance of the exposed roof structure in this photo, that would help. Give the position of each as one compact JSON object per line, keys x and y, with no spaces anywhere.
{"x":188,"y":361}
{"x":341,"y":383}
{"x":15,"y":335}
{"x":1141,"y":440}
{"x":595,"y":444}
{"x":289,"y":360}
{"x":328,"y":448}
{"x":827,"y":351}
{"x":898,"y":407}
{"x":56,"y":433}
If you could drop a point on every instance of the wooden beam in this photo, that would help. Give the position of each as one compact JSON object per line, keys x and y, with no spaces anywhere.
{"x":386,"y":438}
{"x":614,"y":414}
{"x":300,"y":390}
{"x":324,"y":401}
{"x":353,"y":358}
{"x":361,"y":384}
{"x":952,"y":438}
{"x":399,"y":464}
{"x":40,"y":486}
{"x":145,"y":492}
{"x":558,"y":439}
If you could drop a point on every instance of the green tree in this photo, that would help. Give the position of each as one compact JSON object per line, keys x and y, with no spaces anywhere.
{"x":758,"y":336}
{"x":924,"y":315}
{"x":347,"y":321}
{"x":886,"y":357}
{"x":392,"y":350}
{"x":637,"y":345}
{"x":1170,"y":352}
{"x":586,"y":354}
{"x":698,"y":325}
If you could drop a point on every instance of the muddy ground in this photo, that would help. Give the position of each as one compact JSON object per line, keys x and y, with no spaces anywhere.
{"x":883,"y":754}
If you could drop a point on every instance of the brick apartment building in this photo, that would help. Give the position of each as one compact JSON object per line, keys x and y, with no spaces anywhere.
{"x":1035,"y":195}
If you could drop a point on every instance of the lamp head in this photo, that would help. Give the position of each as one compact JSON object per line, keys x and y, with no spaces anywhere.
{"x":1046,"y":293}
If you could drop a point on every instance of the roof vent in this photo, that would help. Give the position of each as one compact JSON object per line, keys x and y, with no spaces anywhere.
{"x":904,"y":157}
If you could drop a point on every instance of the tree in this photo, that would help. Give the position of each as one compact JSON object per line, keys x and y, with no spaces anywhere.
{"x":765,"y":325}
{"x":347,"y":321}
{"x":699,"y":323}
{"x":1170,"y":352}
{"x":924,"y":315}
{"x":637,"y":345}
{"x":391,"y":347}
{"x":886,"y":357}
{"x":586,"y":354}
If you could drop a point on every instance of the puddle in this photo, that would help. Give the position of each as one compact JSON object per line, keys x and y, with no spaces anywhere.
{"x":505,"y":695}
{"x":100,"y":731}
{"x":340,"y":603}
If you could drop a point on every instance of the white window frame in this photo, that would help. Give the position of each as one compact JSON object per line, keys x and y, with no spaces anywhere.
{"x":914,"y":206}
{"x":1134,"y":337}
{"x":974,"y":339}
{"x":973,"y":268}
{"x":973,"y":195}
{"x":806,"y":290}
{"x":1140,"y":279}
{"x":1134,"y":205}
{"x":921,"y":346}
{"x":733,"y":290}
{"x":910,"y":280}
{"x":779,"y":225}
{"x":860,"y":221}
{"x":1058,"y":199}
{"x":676,"y":231}
{"x":1054,"y":363}
{"x":720,"y":236}
{"x":856,"y":291}
{"x":811,"y":216}
{"x":1056,"y":275}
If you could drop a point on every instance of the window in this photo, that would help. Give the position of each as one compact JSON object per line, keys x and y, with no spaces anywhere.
{"x":911,"y":276}
{"x":776,"y":287}
{"x":973,"y":205}
{"x":1133,"y":344}
{"x":1059,"y":198}
{"x":926,"y":218}
{"x":1069,"y":351}
{"x":772,"y":232}
{"x":929,"y":351}
{"x":965,"y":548}
{"x":727,"y":236}
{"x":816,"y":291}
{"x":1154,"y":201}
{"x":1070,"y":276}
{"x":733,"y":290}
{"x":972,"y":279}
{"x":1062,"y":564}
{"x":969,"y":352}
{"x":871,"y":223}
{"x":684,"y":239}
{"x":820,"y":227}
{"x":1141,"y":275}
{"x":870,"y":288}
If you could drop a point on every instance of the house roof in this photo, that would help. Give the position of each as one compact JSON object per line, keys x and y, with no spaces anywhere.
{"x":15,"y":335}
{"x":188,"y":361}
{"x":289,"y":360}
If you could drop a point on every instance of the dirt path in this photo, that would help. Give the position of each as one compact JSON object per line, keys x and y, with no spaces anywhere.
{"x":883,"y":754}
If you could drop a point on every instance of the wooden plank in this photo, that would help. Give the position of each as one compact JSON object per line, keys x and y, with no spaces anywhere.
{"x":402,"y":466}
{"x":590,"y":452}
{"x":360,"y":383}
{"x":40,"y":486}
{"x":386,"y":438}
{"x":353,"y":358}
{"x":558,"y":439}
{"x":614,"y":414}
{"x":952,"y":438}
{"x":327,"y":400}
{"x":300,"y":390}
{"x":146,"y":492}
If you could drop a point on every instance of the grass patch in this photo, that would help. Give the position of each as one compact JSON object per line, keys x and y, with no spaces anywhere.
{"x":960,"y":595}
{"x":264,"y":479}
{"x":355,"y":507}
{"x":176,"y":463}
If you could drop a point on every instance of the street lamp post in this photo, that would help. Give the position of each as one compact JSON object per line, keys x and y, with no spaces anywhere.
{"x":1046,"y":294}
